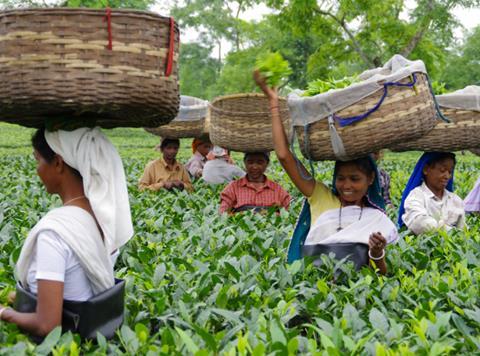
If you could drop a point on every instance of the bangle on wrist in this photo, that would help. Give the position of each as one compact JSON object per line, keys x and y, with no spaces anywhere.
{"x":376,"y":258}
{"x":274,"y":107}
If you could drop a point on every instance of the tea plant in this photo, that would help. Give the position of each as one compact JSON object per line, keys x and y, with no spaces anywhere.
{"x":203,"y":283}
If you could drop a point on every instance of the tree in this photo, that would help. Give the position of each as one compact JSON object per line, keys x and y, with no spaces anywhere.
{"x":216,"y":20}
{"x":463,"y":67}
{"x":371,"y":31}
{"x":198,"y":71}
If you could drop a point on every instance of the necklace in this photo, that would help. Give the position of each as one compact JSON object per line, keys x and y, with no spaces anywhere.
{"x":340,"y":217}
{"x":77,"y":198}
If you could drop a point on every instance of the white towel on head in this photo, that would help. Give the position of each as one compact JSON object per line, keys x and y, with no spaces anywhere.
{"x":94,"y":156}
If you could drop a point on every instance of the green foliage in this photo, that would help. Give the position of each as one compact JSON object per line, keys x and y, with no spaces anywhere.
{"x":463,"y":68}
{"x":202,"y":283}
{"x":198,"y":71}
{"x":320,"y":86}
{"x":439,"y":87}
{"x":273,"y":67}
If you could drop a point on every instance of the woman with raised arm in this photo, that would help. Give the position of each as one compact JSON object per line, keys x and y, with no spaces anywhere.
{"x":353,"y":211}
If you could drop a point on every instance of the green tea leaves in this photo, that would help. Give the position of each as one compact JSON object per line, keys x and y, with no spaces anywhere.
{"x":273,"y":67}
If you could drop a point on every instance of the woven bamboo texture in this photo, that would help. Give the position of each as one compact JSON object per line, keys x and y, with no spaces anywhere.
{"x":55,"y":65}
{"x":180,"y":129}
{"x":462,"y":133}
{"x":475,"y":151}
{"x":242,"y":122}
{"x":406,"y":114}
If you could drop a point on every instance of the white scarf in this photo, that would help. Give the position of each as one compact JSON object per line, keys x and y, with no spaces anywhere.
{"x":78,"y":230}
{"x":93,"y":155}
{"x":324,"y":230}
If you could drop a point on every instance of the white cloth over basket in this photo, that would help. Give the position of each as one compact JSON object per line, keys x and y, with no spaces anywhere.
{"x":306,"y":110}
{"x":467,"y":98}
{"x":191,"y":109}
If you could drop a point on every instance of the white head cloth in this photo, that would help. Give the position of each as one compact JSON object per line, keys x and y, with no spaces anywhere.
{"x":94,"y":156}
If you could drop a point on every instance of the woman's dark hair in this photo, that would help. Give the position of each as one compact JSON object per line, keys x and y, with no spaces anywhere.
{"x":40,"y":144}
{"x":441,"y":156}
{"x":166,"y":141}
{"x":264,"y":154}
{"x":364,"y":164}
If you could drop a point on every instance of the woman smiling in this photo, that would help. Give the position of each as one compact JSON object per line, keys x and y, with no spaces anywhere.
{"x":350,"y":213}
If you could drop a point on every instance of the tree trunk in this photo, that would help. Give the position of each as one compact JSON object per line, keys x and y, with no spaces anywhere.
{"x":422,"y":29}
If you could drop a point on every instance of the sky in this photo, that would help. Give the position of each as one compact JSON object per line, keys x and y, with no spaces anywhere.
{"x":469,"y":18}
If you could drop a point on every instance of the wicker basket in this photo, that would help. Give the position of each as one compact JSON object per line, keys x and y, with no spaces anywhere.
{"x":242,"y":122}
{"x":462,"y":133}
{"x":190,"y":121}
{"x":475,"y":151}
{"x":405,"y":114}
{"x":83,"y":67}
{"x":179,"y":129}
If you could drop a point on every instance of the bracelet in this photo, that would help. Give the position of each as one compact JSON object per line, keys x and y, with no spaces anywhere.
{"x":274,"y":107}
{"x":2,"y":310}
{"x":376,"y":258}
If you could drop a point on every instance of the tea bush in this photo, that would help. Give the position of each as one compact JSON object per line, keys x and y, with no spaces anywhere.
{"x":202,"y":283}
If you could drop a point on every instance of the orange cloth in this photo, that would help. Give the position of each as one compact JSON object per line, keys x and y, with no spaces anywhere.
{"x":158,"y":172}
{"x":195,"y":143}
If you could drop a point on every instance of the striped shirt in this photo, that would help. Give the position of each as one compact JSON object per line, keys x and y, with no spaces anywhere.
{"x":241,"y":192}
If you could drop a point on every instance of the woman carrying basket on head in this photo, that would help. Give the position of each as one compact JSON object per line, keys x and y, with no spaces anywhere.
{"x":351,"y":212}
{"x":68,"y":257}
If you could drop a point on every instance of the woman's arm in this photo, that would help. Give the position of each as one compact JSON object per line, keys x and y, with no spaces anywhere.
{"x":295,"y":170}
{"x":416,"y":216}
{"x":48,"y":314}
{"x":376,"y":246}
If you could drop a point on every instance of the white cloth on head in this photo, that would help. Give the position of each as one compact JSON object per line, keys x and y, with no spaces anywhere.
{"x":218,"y":151}
{"x":77,"y":229}
{"x":94,"y":156}
{"x":357,"y":225}
{"x":425,"y":212}
{"x":306,"y":110}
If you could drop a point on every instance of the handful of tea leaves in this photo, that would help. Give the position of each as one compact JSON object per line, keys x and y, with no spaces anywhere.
{"x":273,"y":67}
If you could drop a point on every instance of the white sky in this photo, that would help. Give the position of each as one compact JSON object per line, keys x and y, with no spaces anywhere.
{"x":469,"y":18}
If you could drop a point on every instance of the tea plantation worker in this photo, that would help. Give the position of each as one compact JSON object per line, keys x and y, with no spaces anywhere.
{"x":69,"y":254}
{"x":472,"y":201}
{"x":200,"y":148}
{"x":351,"y":212}
{"x":254,"y":191}
{"x":166,"y":172}
{"x":218,"y":170}
{"x":428,"y":202}
{"x":384,"y":179}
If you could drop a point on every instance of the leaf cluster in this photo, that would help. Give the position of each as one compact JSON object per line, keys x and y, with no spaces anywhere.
{"x":320,"y":86}
{"x":273,"y":67}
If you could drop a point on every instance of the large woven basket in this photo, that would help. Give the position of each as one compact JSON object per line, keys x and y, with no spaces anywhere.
{"x":180,"y":129}
{"x":190,"y":121}
{"x":75,"y":67}
{"x":462,"y":133}
{"x":405,"y":114}
{"x":242,"y":122}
